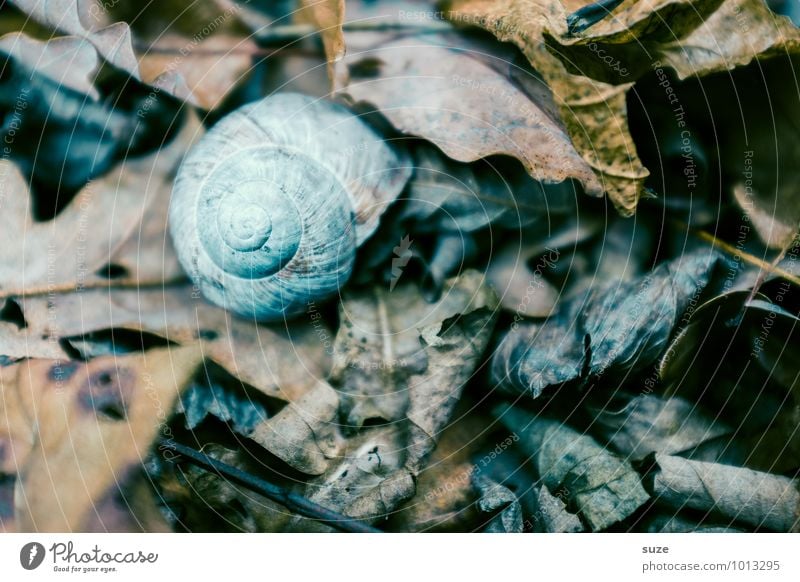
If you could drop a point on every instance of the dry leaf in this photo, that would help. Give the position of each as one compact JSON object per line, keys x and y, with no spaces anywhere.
{"x":378,"y":350}
{"x":67,"y":61}
{"x":468,"y":107}
{"x":166,"y":44}
{"x":67,"y":252}
{"x":757,"y":499}
{"x":281,"y":363}
{"x":92,"y":425}
{"x":602,"y":487}
{"x":607,"y":57}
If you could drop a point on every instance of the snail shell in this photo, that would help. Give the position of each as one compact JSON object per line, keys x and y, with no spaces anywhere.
{"x":269,"y":206}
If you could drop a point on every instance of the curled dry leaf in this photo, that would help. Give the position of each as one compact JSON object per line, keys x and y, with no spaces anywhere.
{"x":758,"y":499}
{"x":583,"y":340}
{"x":590,"y":71}
{"x":552,"y":516}
{"x":92,"y":425}
{"x":592,"y":112}
{"x":164,"y":45}
{"x":304,"y":434}
{"x":369,"y":480}
{"x":600,"y":486}
{"x":466,"y":104}
{"x":647,"y":423}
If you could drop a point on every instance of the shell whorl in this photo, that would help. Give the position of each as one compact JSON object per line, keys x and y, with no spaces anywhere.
{"x":269,"y":206}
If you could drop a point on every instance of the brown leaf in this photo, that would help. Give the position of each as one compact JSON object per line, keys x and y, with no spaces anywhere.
{"x":281,"y":363}
{"x":304,"y":433}
{"x":470,"y":108}
{"x":92,"y":425}
{"x":368,"y":480}
{"x":754,"y":498}
{"x":594,"y":113}
{"x":591,"y":71}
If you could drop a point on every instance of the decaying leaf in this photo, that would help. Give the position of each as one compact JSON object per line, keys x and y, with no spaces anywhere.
{"x":369,"y":481}
{"x":304,"y":434}
{"x":758,"y":499}
{"x":92,"y":425}
{"x":590,"y":71}
{"x":621,"y":328}
{"x":497,"y":499}
{"x":552,"y":516}
{"x":66,"y":61}
{"x":69,"y":252}
{"x":600,"y":486}
{"x":381,"y":363}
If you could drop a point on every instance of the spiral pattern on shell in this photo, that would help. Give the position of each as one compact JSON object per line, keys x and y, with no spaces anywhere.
{"x":269,"y":206}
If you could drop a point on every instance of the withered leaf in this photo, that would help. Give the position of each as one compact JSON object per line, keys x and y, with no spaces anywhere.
{"x":67,"y":252}
{"x":66,"y":61}
{"x":92,"y":425}
{"x":622,"y":327}
{"x":600,"y":486}
{"x":758,"y":499}
{"x":450,"y":95}
{"x":590,"y":71}
{"x":368,"y":481}
{"x":381,"y":365}
{"x":304,"y":434}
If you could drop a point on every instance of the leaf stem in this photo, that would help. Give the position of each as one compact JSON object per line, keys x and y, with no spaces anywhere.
{"x":292,"y":501}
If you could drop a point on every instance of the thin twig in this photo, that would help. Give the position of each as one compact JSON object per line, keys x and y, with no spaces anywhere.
{"x":746,"y":257}
{"x":290,"y":32}
{"x":292,"y":501}
{"x":72,"y":287}
{"x":762,"y":275}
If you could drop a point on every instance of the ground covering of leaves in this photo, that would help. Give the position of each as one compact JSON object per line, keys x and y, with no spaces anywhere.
{"x":580,"y":315}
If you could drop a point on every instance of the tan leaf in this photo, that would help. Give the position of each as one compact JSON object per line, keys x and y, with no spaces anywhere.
{"x":466,"y":106}
{"x":593,"y":112}
{"x":304,"y":433}
{"x":93,"y":425}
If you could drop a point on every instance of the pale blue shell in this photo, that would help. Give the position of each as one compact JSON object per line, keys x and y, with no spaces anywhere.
{"x":269,"y":206}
